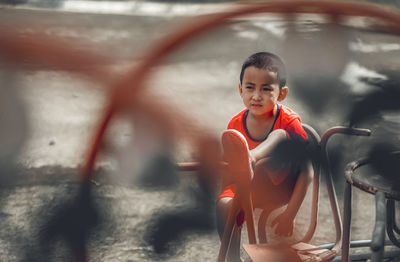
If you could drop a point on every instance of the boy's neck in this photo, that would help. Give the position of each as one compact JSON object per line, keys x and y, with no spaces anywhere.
{"x":265,"y":117}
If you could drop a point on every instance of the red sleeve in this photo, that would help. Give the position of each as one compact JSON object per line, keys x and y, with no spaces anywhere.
{"x":295,"y":129}
{"x":237,"y":122}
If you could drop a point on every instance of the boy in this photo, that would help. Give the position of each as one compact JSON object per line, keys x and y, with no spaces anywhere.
{"x":249,"y":142}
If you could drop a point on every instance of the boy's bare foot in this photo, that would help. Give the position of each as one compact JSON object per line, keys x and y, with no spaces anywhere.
{"x":237,"y":155}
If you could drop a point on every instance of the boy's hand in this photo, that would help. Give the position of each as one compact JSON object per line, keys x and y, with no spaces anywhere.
{"x":284,"y":224}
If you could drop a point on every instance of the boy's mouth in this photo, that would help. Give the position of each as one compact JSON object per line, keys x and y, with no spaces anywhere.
{"x":256,"y":105}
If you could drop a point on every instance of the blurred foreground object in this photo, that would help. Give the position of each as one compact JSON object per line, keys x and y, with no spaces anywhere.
{"x":125,"y":91}
{"x":316,"y":56}
{"x":13,"y":119}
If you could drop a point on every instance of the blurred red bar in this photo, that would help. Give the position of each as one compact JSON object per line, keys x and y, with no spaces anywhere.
{"x":192,"y":166}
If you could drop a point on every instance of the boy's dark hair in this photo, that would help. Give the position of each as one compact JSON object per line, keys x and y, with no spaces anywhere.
{"x":269,"y":61}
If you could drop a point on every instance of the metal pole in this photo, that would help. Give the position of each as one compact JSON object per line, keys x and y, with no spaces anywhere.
{"x":329,"y":181}
{"x":378,"y":235}
{"x":226,"y":238}
{"x":391,"y":222}
{"x":346,"y":223}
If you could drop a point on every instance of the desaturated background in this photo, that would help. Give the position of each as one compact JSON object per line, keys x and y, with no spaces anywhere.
{"x":49,"y":117}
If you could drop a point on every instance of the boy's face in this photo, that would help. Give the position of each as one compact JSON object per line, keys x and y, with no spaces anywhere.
{"x":260,"y":90}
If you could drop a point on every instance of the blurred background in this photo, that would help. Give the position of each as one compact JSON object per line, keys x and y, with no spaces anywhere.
{"x":49,"y":115}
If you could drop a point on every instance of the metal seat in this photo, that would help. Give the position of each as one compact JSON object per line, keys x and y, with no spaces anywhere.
{"x":385,"y":197}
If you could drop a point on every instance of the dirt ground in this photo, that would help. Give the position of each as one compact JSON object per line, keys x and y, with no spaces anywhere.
{"x":61,"y":111}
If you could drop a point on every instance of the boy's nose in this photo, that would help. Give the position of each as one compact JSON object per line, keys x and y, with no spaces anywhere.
{"x":256,"y":95}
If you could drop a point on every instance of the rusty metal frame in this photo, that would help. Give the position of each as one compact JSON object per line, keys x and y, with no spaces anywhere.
{"x":329,"y":180}
{"x":314,"y":197}
{"x":326,"y":170}
{"x":385,"y":213}
{"x":391,"y":222}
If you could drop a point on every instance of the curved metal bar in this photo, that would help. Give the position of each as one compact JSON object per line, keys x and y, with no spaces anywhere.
{"x":248,"y":208}
{"x":343,"y":130}
{"x":390,"y":222}
{"x":262,"y":222}
{"x":356,"y":243}
{"x":329,"y":181}
{"x":378,"y":235}
{"x":188,"y":166}
{"x":310,"y":130}
{"x":352,"y":179}
{"x":395,"y":227}
{"x":314,"y":207}
{"x":316,"y":139}
{"x":367,"y":255}
{"x":194,"y":166}
{"x":384,"y":214}
{"x":315,"y":189}
{"x":390,"y":204}
{"x":346,"y":223}
{"x":230,"y":223}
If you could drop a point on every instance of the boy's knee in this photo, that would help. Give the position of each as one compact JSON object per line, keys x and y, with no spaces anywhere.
{"x":270,"y":164}
{"x":262,"y":165}
{"x":223,"y":206}
{"x":278,"y":133}
{"x":224,"y":202}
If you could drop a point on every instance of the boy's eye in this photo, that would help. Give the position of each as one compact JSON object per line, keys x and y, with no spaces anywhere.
{"x":267,"y":89}
{"x":249,"y":87}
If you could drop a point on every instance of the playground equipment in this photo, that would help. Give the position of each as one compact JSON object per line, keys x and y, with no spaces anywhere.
{"x":124,"y":94}
{"x":320,"y":166}
{"x":385,"y":198}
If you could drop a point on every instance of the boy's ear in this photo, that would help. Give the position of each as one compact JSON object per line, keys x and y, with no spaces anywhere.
{"x":240,"y":89}
{"x":283,"y":93}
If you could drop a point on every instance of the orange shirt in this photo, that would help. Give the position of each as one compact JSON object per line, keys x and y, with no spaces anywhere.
{"x":285,"y":119}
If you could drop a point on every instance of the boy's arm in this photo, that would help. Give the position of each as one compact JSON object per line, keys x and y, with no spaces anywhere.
{"x":285,"y":220}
